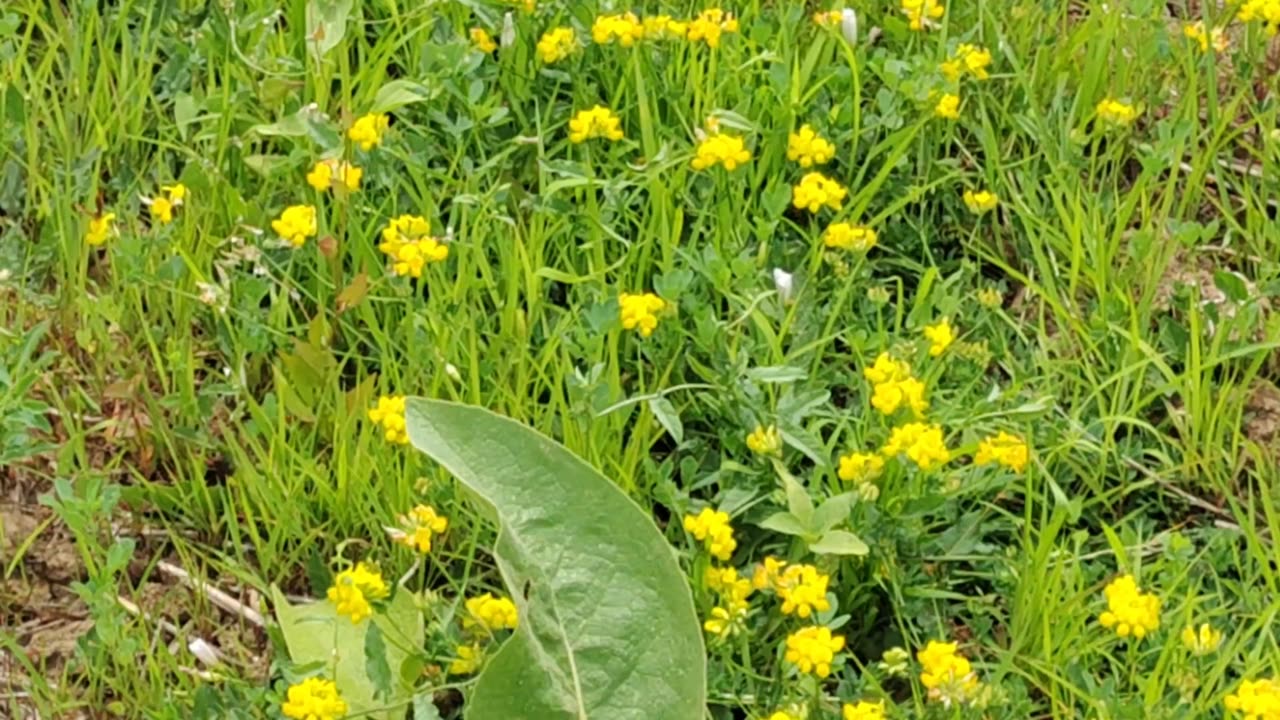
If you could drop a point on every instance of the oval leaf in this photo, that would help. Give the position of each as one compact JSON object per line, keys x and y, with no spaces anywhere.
{"x":839,"y":542}
{"x":607,"y":623}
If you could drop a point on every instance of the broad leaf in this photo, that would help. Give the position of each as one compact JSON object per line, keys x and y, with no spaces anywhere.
{"x":607,"y":625}
{"x":668,"y":417}
{"x":839,"y":542}
{"x":798,"y":501}
{"x":832,"y":512}
{"x":398,"y":93}
{"x":327,"y":23}
{"x":785,"y":523}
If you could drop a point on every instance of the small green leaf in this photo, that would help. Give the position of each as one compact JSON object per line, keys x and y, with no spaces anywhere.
{"x":376,"y":667}
{"x":832,"y":512}
{"x":398,"y":93}
{"x":668,"y":417}
{"x":776,"y":374}
{"x":798,"y":500}
{"x":1232,"y":285}
{"x":839,"y":542}
{"x":327,"y":23}
{"x":785,"y":523}
{"x":184,"y":112}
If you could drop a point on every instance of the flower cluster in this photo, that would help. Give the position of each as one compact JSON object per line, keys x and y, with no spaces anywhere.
{"x":813,"y":649}
{"x":1256,"y":699}
{"x":418,"y":527}
{"x":353,"y":589}
{"x":858,"y":467}
{"x":720,"y":149}
{"x":625,"y":28}
{"x":968,"y":60}
{"x":598,"y":122}
{"x":730,"y":614}
{"x":99,"y":229}
{"x":1114,"y":112}
{"x":389,"y":413}
{"x":314,"y":699}
{"x":1203,"y":641}
{"x":1215,"y":38}
{"x":1003,"y":449}
{"x":921,"y":13}
{"x":162,"y":206}
{"x":367,"y":131}
{"x":893,"y":386}
{"x":1129,"y":610}
{"x":709,"y":25}
{"x":1264,"y":11}
{"x":828,"y":18}
{"x":491,"y":613}
{"x":946,"y":674}
{"x":467,"y":659}
{"x":845,"y":236}
{"x":556,"y":44}
{"x":296,"y":224}
{"x":639,"y":312}
{"x":325,"y":172}
{"x":765,"y":440}
{"x":664,"y":26}
{"x":940,"y":336}
{"x":807,"y":147}
{"x":817,"y":190}
{"x":408,"y":244}
{"x":712,"y":528}
{"x":863,"y":711}
{"x":923,"y":444}
{"x":980,"y":201}
{"x":948,"y":107}
{"x":802,"y":590}
{"x":481,"y":40}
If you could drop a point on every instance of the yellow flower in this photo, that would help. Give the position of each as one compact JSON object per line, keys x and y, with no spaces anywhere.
{"x":720,"y":149}
{"x":828,"y":18}
{"x":863,"y":711}
{"x":598,"y":122}
{"x":1114,"y":112}
{"x":1201,"y":642}
{"x":803,"y":590}
{"x":556,"y":44}
{"x":817,"y":190}
{"x":981,"y":201}
{"x":177,"y":192}
{"x":808,"y":148}
{"x":887,"y":397}
{"x":767,"y":573}
{"x":481,"y":40}
{"x":625,"y":28}
{"x":921,"y":13}
{"x":946,"y":674}
{"x":710,"y":25}
{"x":368,"y":130}
{"x":712,"y":528}
{"x":1266,"y":11}
{"x":296,"y":224}
{"x":727,"y":619}
{"x":1215,"y":38}
{"x":491,"y":613}
{"x":813,"y":649}
{"x":314,"y":699}
{"x":1256,"y":699}
{"x":408,"y":244}
{"x":940,"y":336}
{"x":860,"y":467}
{"x":322,"y":175}
{"x":886,"y":369}
{"x":419,"y":525}
{"x":353,"y":589}
{"x":970,"y":59}
{"x":854,"y":238}
{"x":161,"y":210}
{"x":389,"y":413}
{"x":765,"y":440}
{"x":1129,"y":610}
{"x":726,"y":582}
{"x":922,"y":444}
{"x":948,"y":107}
{"x":639,"y":312}
{"x":99,"y":229}
{"x":990,"y":297}
{"x":659,"y":26}
{"x":469,"y":659}
{"x":1004,"y":449}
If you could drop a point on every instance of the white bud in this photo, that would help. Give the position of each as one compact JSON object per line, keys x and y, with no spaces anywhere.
{"x":508,"y":36}
{"x":452,"y":372}
{"x":203,"y":651}
{"x":849,"y":26}
{"x":783,"y":282}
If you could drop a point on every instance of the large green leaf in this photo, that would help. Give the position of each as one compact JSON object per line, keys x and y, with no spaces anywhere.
{"x":607,"y":625}
{"x":314,"y":633}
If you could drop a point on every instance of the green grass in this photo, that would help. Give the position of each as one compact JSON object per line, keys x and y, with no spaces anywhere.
{"x":1137,"y":268}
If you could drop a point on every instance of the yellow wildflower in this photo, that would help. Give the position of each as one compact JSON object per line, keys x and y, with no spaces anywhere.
{"x":625,"y":28}
{"x":1215,"y":38}
{"x":711,"y":527}
{"x":314,"y":699}
{"x":948,"y":107}
{"x":408,"y":244}
{"x":854,"y":238}
{"x":161,"y":210}
{"x":1129,"y":610}
{"x":726,"y":619}
{"x":887,"y":397}
{"x":765,"y":440}
{"x":940,"y":336}
{"x":1265,"y":11}
{"x":923,"y":444}
{"x":1203,"y":641}
{"x":353,"y":589}
{"x":860,"y":467}
{"x":1256,"y":699}
{"x":981,"y":201}
{"x":639,"y":312}
{"x":491,"y":613}
{"x":99,"y":229}
{"x":296,"y":224}
{"x":808,"y":148}
{"x":922,"y":13}
{"x":1114,"y":112}
{"x":886,"y":369}
{"x":720,"y":149}
{"x":389,"y":413}
{"x":828,"y":18}
{"x":367,"y":131}
{"x":481,"y":40}
{"x":598,"y":122}
{"x":817,"y":190}
{"x":469,"y":659}
{"x":813,"y":649}
{"x":177,"y":193}
{"x":1003,"y":449}
{"x":657,"y":26}
{"x":322,"y":175}
{"x":946,"y":674}
{"x":767,"y":573}
{"x":863,"y":711}
{"x":803,"y":590}
{"x":970,"y":59}
{"x":556,"y":44}
{"x":418,"y":526}
{"x":710,"y":25}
